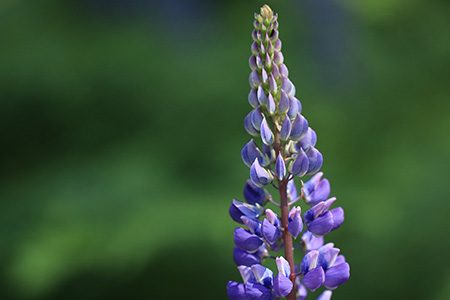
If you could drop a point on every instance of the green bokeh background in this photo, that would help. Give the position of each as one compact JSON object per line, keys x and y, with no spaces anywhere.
{"x":121,"y":127}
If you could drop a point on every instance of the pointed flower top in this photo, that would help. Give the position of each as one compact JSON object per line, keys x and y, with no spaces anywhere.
{"x":266,"y":12}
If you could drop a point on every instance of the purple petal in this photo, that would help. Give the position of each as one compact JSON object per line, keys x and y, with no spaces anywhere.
{"x":295,"y":107}
{"x":339,"y":260}
{"x":292,"y":190}
{"x":243,"y":258}
{"x":308,"y":140}
{"x":273,"y":85}
{"x":247,"y":241}
{"x":314,"y":278}
{"x":318,"y":210}
{"x":315,"y":160}
{"x":302,"y":292}
{"x":261,"y":95}
{"x":246,"y":274}
{"x":252,"y":98}
{"x":328,"y":255}
{"x":239,"y":209}
{"x":271,"y":233}
{"x":338,"y":217}
{"x":278,"y":58}
{"x":319,"y":193}
{"x":266,"y":134}
{"x":280,"y":167}
{"x":312,"y":242}
{"x":236,"y":291}
{"x":322,"y":225}
{"x":284,"y":71}
{"x":263,"y":275}
{"x":337,"y":275}
{"x":282,"y":285}
{"x":258,"y":175}
{"x":283,"y":106}
{"x":254,"y":47}
{"x":254,"y":194}
{"x":285,"y":129}
{"x":299,"y":127}
{"x":254,"y":79}
{"x":255,"y":291}
{"x":264,"y":75}
{"x":259,"y":62}
{"x":250,"y":152}
{"x":300,"y":165}
{"x":252,"y":62}
{"x":309,"y":261}
{"x":277,"y":45}
{"x":256,"y":117}
{"x":295,"y":225}
{"x":249,"y":126}
{"x":283,"y":266}
{"x":326,"y":295}
{"x":311,"y":184}
{"x":253,"y":225}
{"x":271,"y":106}
{"x":272,"y":217}
{"x":275,"y":71}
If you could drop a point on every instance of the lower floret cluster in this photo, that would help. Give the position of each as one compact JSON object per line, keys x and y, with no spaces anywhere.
{"x":260,"y":235}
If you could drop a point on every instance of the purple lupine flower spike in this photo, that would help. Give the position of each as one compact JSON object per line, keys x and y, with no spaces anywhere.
{"x":282,"y":154}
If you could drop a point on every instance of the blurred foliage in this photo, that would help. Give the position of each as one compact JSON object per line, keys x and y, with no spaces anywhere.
{"x":121,"y":125}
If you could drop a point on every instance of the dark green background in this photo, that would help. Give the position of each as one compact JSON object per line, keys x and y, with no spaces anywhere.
{"x":121,"y":127}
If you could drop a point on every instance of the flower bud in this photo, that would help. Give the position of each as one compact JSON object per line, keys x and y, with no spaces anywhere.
{"x":249,"y":126}
{"x":254,"y":194}
{"x":252,"y":98}
{"x":250,"y":152}
{"x":247,"y":241}
{"x":266,"y":134}
{"x":315,"y":160}
{"x":285,"y":129}
{"x":308,"y":140}
{"x":299,"y":127}
{"x":271,"y":106}
{"x":280,"y":167}
{"x":295,"y":107}
{"x":271,"y":233}
{"x":254,"y":79}
{"x":258,"y":175}
{"x":295,"y":225}
{"x":283,"y":106}
{"x":256,"y":118}
{"x":282,"y":285}
{"x":300,"y":165}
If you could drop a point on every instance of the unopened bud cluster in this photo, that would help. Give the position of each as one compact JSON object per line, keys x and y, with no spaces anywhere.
{"x":281,"y":150}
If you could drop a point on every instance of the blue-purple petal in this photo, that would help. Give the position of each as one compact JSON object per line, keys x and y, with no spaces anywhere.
{"x":254,"y":194}
{"x":280,"y":167}
{"x":299,"y":127}
{"x":314,"y":278}
{"x":300,"y":165}
{"x":282,"y":285}
{"x":337,"y":275}
{"x":247,"y":241}
{"x":322,"y":224}
{"x":244,"y":258}
{"x":236,"y":291}
{"x":286,"y":128}
{"x":338,"y":217}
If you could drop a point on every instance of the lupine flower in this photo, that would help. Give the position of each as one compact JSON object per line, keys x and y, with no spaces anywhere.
{"x":324,"y":267}
{"x":316,"y":189}
{"x":282,"y":153}
{"x":320,"y":220}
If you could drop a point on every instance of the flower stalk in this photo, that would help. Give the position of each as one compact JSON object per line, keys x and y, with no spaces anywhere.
{"x":282,"y":149}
